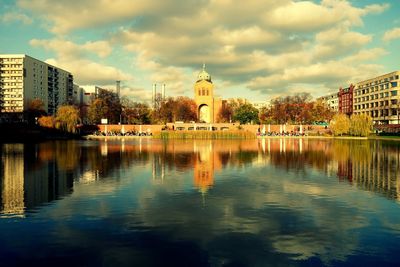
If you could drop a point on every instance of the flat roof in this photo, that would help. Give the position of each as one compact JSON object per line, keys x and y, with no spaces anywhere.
{"x":25,"y":55}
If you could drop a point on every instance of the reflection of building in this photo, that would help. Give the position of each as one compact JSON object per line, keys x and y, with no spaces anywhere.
{"x":208,"y":106}
{"x":378,"y":172}
{"x":27,"y":183}
{"x":12,"y":186}
{"x":158,"y":168}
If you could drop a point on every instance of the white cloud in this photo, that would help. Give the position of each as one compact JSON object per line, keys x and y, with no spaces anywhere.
{"x":391,"y":34}
{"x":75,"y":59}
{"x":266,"y":45}
{"x":15,"y":17}
{"x":89,"y":72}
{"x":73,"y":50}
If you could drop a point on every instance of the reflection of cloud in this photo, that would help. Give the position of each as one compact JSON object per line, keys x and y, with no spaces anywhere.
{"x":279,"y":211}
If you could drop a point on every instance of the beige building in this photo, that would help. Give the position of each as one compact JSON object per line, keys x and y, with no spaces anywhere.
{"x":208,"y":106}
{"x":332,"y":101}
{"x":23,"y":79}
{"x":379,"y":98}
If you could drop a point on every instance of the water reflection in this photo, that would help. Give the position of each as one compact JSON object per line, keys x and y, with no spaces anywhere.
{"x":212,"y":203}
{"x":36,"y":174}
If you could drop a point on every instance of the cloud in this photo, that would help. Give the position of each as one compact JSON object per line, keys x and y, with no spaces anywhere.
{"x":269,"y":46}
{"x":75,"y":59}
{"x":69,"y":49}
{"x":391,"y":35}
{"x":15,"y":17}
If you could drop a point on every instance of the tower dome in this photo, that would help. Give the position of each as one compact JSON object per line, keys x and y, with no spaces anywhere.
{"x":203,"y":75}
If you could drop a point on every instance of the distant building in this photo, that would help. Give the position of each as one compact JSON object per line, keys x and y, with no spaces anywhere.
{"x":23,"y":79}
{"x":379,"y":98}
{"x":88,"y":93}
{"x":345,"y":96}
{"x":332,"y":100}
{"x":260,"y":104}
{"x":208,"y":106}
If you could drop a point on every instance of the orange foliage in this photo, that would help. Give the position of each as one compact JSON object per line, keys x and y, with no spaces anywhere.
{"x":47,"y":121}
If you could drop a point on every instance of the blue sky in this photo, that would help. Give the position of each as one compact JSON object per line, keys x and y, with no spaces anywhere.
{"x":254,"y":49}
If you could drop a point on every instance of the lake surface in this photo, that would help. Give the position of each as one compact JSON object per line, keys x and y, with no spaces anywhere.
{"x":144,"y":202}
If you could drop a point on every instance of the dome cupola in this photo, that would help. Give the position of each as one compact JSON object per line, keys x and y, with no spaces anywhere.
{"x":203,"y":75}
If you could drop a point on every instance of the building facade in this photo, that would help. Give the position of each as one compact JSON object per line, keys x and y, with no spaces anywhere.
{"x":23,"y":79}
{"x":379,"y":98}
{"x":345,"y":97}
{"x":208,"y":106}
{"x":332,"y":101}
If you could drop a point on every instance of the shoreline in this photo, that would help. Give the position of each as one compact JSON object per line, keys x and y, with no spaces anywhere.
{"x":380,"y":138}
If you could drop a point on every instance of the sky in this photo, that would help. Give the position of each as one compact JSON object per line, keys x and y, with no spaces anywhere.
{"x":256,"y":50}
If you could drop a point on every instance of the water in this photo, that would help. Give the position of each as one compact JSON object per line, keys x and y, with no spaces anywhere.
{"x":143,"y":202}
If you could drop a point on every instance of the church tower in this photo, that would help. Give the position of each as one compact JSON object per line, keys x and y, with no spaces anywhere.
{"x":207,"y":106}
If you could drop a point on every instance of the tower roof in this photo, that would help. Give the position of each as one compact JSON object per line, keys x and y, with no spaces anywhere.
{"x":203,"y":75}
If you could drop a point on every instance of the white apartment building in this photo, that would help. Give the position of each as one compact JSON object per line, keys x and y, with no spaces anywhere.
{"x":260,"y":104}
{"x":332,"y":101}
{"x":379,"y":97}
{"x":23,"y":79}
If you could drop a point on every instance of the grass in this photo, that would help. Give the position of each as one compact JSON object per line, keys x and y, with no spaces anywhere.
{"x":204,"y":135}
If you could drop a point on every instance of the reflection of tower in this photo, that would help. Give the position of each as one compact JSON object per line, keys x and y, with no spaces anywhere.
{"x":12,"y":193}
{"x":158,"y":168}
{"x":204,"y":168}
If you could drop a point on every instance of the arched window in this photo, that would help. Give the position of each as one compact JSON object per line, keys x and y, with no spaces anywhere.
{"x":207,"y":92}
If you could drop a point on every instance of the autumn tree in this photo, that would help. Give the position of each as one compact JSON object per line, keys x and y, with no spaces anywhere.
{"x":340,"y":124}
{"x":106,"y":105}
{"x":97,"y":110}
{"x":185,"y":109}
{"x":135,"y":112}
{"x":225,"y":113}
{"x":321,"y":111}
{"x":47,"y":121}
{"x":246,"y":113}
{"x":360,"y":124}
{"x":175,"y":109}
{"x":67,"y":118}
{"x":35,"y":109}
{"x":299,"y":109}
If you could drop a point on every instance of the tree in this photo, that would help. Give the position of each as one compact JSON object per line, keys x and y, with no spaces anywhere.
{"x":97,"y":110}
{"x":246,"y":113}
{"x":67,"y":118}
{"x":296,"y":109}
{"x":174,"y":109}
{"x":321,"y":111}
{"x":35,"y":110}
{"x":106,"y":105}
{"x":135,"y":112}
{"x":47,"y":121}
{"x":225,"y":113}
{"x":360,"y":125}
{"x":185,"y":109}
{"x":340,"y":124}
